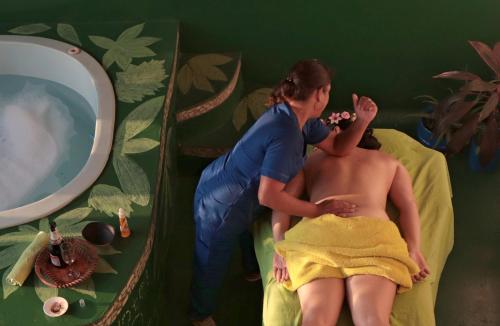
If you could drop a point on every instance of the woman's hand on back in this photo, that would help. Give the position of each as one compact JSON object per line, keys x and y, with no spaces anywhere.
{"x":338,"y":207}
{"x":366,"y":109}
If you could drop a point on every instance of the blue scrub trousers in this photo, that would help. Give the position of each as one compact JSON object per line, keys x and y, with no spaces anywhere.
{"x":219,"y":228}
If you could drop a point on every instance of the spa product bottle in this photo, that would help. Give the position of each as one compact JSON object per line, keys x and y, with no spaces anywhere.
{"x":124,"y":229}
{"x":55,"y":251}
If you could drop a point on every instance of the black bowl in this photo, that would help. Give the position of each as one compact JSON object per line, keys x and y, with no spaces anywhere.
{"x":98,"y":233}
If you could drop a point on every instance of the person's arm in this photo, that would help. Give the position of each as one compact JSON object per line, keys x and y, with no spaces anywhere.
{"x":342,"y":143}
{"x":272,"y":194}
{"x":280,"y":223}
{"x":401,"y":194}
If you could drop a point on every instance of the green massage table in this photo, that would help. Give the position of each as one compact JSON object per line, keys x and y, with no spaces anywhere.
{"x":431,"y":185}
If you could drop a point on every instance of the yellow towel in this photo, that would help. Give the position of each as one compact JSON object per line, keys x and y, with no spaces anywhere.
{"x":332,"y":246}
{"x":24,"y":264}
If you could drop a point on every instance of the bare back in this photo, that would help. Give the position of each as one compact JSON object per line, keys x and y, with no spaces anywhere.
{"x":364,"y":178}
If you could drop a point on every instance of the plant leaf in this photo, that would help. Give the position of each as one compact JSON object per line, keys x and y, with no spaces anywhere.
{"x":460,"y":75}
{"x":496,"y":51}
{"x":131,"y":32}
{"x":240,"y":114}
{"x":16,"y":237}
{"x":210,"y":72}
{"x":73,"y":230}
{"x":479,"y":85}
{"x":8,"y":288}
{"x":132,"y":178}
{"x":43,"y":291}
{"x":444,"y":105}
{"x":138,"y":81}
{"x":108,"y":199}
{"x":488,"y":147}
{"x":140,"y":42}
{"x":139,"y":145}
{"x":104,"y":267}
{"x":68,"y":32}
{"x":138,"y":120}
{"x":257,"y":101}
{"x":29,"y":29}
{"x":489,"y":107}
{"x":211,"y":59}
{"x":10,"y":255}
{"x":107,"y":250}
{"x":27,"y":228}
{"x":456,"y":112}
{"x":487,"y":55}
{"x":87,"y":288}
{"x":462,"y":136}
{"x":43,"y":225}
{"x":185,"y":79}
{"x":103,"y":42}
{"x":73,"y":216}
{"x":202,"y":83}
{"x":122,"y":59}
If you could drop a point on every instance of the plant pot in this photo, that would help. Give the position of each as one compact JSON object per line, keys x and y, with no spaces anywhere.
{"x":474,"y":163}
{"x":426,"y":137}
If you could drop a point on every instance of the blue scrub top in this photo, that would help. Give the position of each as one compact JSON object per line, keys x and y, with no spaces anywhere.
{"x":274,"y":147}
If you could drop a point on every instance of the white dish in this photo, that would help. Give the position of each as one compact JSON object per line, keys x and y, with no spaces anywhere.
{"x":49,"y":304}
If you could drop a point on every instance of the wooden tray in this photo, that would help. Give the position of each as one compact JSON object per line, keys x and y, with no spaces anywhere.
{"x":85,"y":264}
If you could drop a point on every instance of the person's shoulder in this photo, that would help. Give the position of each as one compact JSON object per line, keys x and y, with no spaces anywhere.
{"x":380,"y":156}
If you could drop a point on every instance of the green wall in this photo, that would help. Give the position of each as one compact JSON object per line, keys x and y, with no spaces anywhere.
{"x":386,"y":49}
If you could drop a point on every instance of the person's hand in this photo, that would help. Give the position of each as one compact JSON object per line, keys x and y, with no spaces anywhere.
{"x":364,"y":107}
{"x":338,"y":207}
{"x":417,"y":256}
{"x":280,"y":271}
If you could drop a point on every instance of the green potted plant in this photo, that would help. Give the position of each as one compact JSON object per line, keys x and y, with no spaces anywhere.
{"x":472,"y":112}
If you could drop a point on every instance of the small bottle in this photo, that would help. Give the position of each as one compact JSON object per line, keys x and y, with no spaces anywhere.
{"x":124,"y":229}
{"x":55,"y":251}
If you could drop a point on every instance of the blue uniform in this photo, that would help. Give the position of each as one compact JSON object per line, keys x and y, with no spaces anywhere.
{"x":226,"y":196}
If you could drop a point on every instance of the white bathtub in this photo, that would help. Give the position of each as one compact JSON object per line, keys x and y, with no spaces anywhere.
{"x":62,"y":63}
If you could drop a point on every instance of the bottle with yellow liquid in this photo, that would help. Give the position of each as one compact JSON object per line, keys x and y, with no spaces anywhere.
{"x":124,"y":229}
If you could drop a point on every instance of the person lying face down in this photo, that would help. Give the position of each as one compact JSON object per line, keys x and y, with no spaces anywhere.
{"x":360,"y":254}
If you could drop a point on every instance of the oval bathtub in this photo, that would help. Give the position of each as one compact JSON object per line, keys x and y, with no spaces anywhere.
{"x":61,"y":63}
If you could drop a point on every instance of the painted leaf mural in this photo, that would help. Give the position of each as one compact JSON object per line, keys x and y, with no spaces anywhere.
{"x":9,"y":256}
{"x":240,"y":115}
{"x":108,"y":199}
{"x":43,"y":291}
{"x":107,"y":250}
{"x":104,"y":267}
{"x":87,"y":288}
{"x":139,"y":145}
{"x":127,"y":46}
{"x":30,"y":29}
{"x":7,"y":288}
{"x":133,"y":179}
{"x":185,"y":79}
{"x":15,"y":237}
{"x":68,"y":33}
{"x":72,"y":217}
{"x":255,"y":102}
{"x":199,"y":70}
{"x":138,"y":120}
{"x":136,"y":82}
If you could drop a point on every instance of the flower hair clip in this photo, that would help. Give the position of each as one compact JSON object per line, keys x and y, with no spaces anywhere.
{"x":336,"y":118}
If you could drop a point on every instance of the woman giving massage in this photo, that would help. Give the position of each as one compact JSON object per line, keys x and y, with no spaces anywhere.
{"x":255,"y":173}
{"x":362,"y":256}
